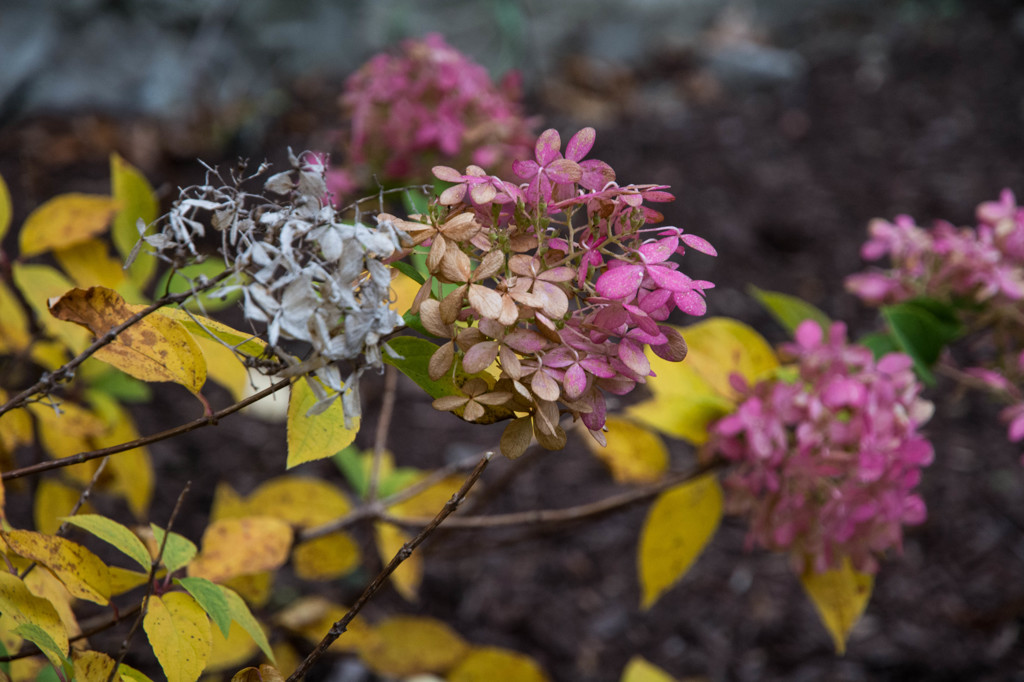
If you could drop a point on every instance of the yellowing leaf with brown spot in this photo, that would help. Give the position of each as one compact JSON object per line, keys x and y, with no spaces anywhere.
{"x":54,"y":499}
{"x":407,"y":645}
{"x":300,"y":500}
{"x":326,"y":558}
{"x":634,"y":454}
{"x":486,"y":663}
{"x":154,"y":349}
{"x":65,"y":220}
{"x":231,"y":651}
{"x":409,"y":574}
{"x":840,"y":596}
{"x":179,"y":632}
{"x":92,"y":666}
{"x":90,"y":264}
{"x":313,"y":437}
{"x":14,"y":334}
{"x":234,"y":547}
{"x":44,"y":584}
{"x":23,"y":607}
{"x":82,"y":572}
{"x":311,"y":617}
{"x":679,"y":524}
{"x":138,"y":201}
{"x":265,"y":673}
{"x":38,"y":284}
{"x":639,"y":670}
{"x":688,"y":395}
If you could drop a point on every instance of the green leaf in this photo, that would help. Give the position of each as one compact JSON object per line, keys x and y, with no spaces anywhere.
{"x":5,"y":208}
{"x":129,"y":673}
{"x":179,"y":550}
{"x":177,"y":282}
{"x":879,"y":343}
{"x":210,"y":597}
{"x":414,"y":357}
{"x":42,"y":639}
{"x":5,"y":666}
{"x":114,"y":533}
{"x":409,"y":271}
{"x":124,"y":388}
{"x":350,"y":463}
{"x":241,"y":614}
{"x":922,"y":328}
{"x":412,"y":321}
{"x":415,"y":201}
{"x":137,"y":202}
{"x":789,"y":311}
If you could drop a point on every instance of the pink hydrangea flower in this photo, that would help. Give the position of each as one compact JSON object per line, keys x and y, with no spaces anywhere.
{"x":825,"y":461}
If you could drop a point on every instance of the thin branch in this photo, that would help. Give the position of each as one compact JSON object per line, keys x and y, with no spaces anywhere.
{"x":404,"y":553}
{"x":67,"y":370}
{"x":380,"y":441}
{"x":207,"y":420}
{"x":152,"y":584}
{"x":567,"y":515}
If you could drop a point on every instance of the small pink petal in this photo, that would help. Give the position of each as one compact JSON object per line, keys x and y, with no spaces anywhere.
{"x":563,"y":171}
{"x":543,"y":386}
{"x":632,"y":355}
{"x":699,"y":244}
{"x":548,"y":145}
{"x":580,"y":144}
{"x":659,"y":251}
{"x":525,"y":169}
{"x":690,"y":302}
{"x":667,"y":278}
{"x":620,"y":283}
{"x":575,"y":382}
{"x":525,"y":341}
{"x":447,"y":174}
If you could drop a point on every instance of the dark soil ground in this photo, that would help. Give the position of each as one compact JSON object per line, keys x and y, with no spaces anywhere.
{"x":922,"y":116}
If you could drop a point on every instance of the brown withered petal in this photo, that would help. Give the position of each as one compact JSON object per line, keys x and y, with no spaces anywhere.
{"x":447,"y":403}
{"x":673,"y":351}
{"x":441,"y":361}
{"x":494,"y":398}
{"x":474,"y":411}
{"x":599,"y":436}
{"x":510,"y":362}
{"x":509,"y":311}
{"x":523,"y":242}
{"x":521,"y":264}
{"x":432,"y":319}
{"x":452,"y":304}
{"x":555,"y":302}
{"x":479,"y":357}
{"x":550,"y":441}
{"x":452,"y":196}
{"x":487,"y":302}
{"x":547,"y":328}
{"x":437,"y":250}
{"x":421,"y":295}
{"x":543,"y":386}
{"x":456,"y":266}
{"x":475,"y":387}
{"x":489,"y":266}
{"x":469,"y":337}
{"x":545,"y":419}
{"x":516,"y":437}
{"x":461,"y":227}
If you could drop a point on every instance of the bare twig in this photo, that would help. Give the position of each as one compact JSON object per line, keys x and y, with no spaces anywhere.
{"x":207,"y":420}
{"x":407,"y":549}
{"x":380,"y":441}
{"x":152,"y":585}
{"x":65,"y":372}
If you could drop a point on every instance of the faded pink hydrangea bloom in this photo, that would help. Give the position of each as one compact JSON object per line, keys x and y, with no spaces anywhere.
{"x":560,"y":281}
{"x":426,"y":105}
{"x":826,"y":455}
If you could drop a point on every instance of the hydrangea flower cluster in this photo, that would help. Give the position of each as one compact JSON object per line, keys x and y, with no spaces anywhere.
{"x":557,"y":282}
{"x":308,"y":275}
{"x":827,"y":454}
{"x":981,"y":268}
{"x":429,"y":104}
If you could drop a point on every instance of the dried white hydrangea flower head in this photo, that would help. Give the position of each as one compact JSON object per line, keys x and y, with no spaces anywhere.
{"x":307,"y":275}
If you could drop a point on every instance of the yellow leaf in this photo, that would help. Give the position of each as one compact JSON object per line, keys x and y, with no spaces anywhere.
{"x":409,"y":574}
{"x":18,"y":603}
{"x":5,"y":208}
{"x":404,"y":289}
{"x":234,"y":547}
{"x":44,"y":584}
{"x":53,"y":499}
{"x":639,"y":670}
{"x":265,"y":673}
{"x":179,"y":632}
{"x":65,"y":220}
{"x":212,"y":329}
{"x":326,"y":558}
{"x":680,"y":523}
{"x":486,"y":663}
{"x":90,"y":264}
{"x":255,"y":588}
{"x":38,"y":284}
{"x":123,"y":580}
{"x":129,"y":474}
{"x":225,"y":367}
{"x":300,"y":500}
{"x":51,"y":354}
{"x":227,"y":504}
{"x":428,"y":502}
{"x":67,"y":433}
{"x":82,"y":572}
{"x":154,"y":349}
{"x":92,"y":666}
{"x":138,"y":201}
{"x":313,"y":437}
{"x":840,"y":596}
{"x":15,"y":428}
{"x":14,"y":334}
{"x":407,"y":645}
{"x":634,"y":454}
{"x":231,"y":651}
{"x":311,"y":617}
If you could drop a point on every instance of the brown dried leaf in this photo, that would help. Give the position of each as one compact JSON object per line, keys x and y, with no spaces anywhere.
{"x":461,"y":227}
{"x":489,"y":266}
{"x":456,"y":266}
{"x":516,"y":437}
{"x":486,"y":302}
{"x":451,"y":305}
{"x":432,"y":319}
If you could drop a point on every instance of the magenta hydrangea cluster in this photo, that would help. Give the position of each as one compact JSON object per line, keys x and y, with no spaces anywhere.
{"x":826,"y":454}
{"x":558,"y":283}
{"x":980,"y":269}
{"x":428,"y":104}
